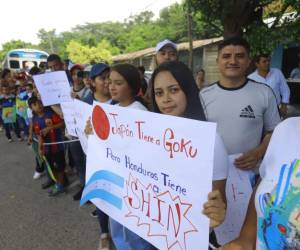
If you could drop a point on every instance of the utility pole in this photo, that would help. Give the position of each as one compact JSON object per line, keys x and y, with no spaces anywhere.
{"x":190,"y":34}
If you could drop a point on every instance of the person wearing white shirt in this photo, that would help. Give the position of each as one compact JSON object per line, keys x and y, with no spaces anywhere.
{"x":274,"y":79}
{"x":295,"y":74}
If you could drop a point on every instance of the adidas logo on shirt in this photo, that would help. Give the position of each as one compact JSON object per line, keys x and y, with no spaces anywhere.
{"x":247,"y":112}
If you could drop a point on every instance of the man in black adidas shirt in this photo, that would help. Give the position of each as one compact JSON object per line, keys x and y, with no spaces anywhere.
{"x":245,"y":111}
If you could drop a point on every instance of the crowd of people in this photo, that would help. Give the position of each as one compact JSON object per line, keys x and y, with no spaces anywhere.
{"x":246,"y":110}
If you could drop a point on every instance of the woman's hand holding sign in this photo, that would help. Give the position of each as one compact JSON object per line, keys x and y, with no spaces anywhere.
{"x":215,"y":208}
{"x":88,"y":127}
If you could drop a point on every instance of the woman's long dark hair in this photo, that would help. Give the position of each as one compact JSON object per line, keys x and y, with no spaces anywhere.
{"x":132,"y":77}
{"x":186,"y":81}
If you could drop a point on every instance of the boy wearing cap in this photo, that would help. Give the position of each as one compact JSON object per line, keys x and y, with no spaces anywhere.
{"x":99,"y":84}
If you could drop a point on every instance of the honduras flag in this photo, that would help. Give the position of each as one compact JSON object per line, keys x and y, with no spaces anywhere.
{"x":104,"y":185}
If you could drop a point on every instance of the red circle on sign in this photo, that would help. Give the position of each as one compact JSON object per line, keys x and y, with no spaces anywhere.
{"x":100,"y":123}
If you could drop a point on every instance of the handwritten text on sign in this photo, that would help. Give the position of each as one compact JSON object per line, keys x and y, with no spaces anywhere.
{"x":53,"y":87}
{"x":151,"y":174}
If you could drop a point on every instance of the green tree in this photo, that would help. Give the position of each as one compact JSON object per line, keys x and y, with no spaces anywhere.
{"x":14,"y":44}
{"x":84,"y":54}
{"x":248,"y":18}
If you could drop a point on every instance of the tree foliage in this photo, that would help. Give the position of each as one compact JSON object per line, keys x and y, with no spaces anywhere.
{"x":249,"y":18}
{"x":14,"y":44}
{"x":84,"y":54}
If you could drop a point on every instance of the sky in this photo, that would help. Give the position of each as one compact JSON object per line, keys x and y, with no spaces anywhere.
{"x":21,"y":19}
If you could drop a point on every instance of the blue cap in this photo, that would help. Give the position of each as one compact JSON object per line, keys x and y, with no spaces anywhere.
{"x":97,"y":69}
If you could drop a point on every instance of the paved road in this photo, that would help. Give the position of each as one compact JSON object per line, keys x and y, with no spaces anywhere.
{"x":29,"y":219}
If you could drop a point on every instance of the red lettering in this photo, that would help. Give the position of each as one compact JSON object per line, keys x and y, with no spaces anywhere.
{"x":172,"y":145}
{"x":146,"y":202}
{"x":139,"y":128}
{"x":170,"y":214}
{"x":134,"y":188}
{"x":159,"y":201}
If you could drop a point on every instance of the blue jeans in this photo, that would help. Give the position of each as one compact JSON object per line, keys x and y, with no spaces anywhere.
{"x":124,"y":239}
{"x":79,"y":159}
{"x":117,"y":235}
{"x":22,"y":125}
{"x":8,"y":126}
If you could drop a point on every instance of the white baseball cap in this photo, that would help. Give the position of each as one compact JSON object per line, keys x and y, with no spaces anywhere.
{"x":163,"y":43}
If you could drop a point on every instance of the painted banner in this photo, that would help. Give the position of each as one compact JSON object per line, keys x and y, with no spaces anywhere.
{"x":277,"y":199}
{"x":9,"y":114}
{"x":152,"y":173}
{"x":68,"y":109}
{"x":83,"y":112}
{"x":238,"y":193}
{"x":21,"y":108}
{"x":53,"y":87}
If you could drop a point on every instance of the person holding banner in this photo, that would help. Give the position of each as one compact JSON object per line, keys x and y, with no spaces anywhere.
{"x":124,"y":86}
{"x":9,"y":116}
{"x":100,"y":92}
{"x":175,"y":93}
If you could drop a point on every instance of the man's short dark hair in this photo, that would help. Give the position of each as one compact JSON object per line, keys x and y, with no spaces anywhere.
{"x":53,"y":57}
{"x":141,"y":69}
{"x":32,"y":100}
{"x":260,"y":55}
{"x":236,"y":41}
{"x":34,"y":71}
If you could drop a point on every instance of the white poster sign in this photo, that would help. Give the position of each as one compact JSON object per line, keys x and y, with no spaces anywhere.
{"x":152,"y":173}
{"x":83,"y":112}
{"x":68,"y":109}
{"x":238,"y":193}
{"x":53,"y":87}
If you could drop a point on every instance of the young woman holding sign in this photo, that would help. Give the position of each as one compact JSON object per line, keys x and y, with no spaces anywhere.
{"x":174,"y":92}
{"x":124,"y":85}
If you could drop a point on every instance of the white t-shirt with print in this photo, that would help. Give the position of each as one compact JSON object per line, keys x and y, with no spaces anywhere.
{"x":277,"y":198}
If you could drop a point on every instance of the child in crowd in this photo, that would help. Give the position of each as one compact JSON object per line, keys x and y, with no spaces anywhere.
{"x":100,"y":92}
{"x":21,"y":108}
{"x":1,"y":120}
{"x":174,"y":92}
{"x":48,"y":126}
{"x":33,"y":138}
{"x":8,"y":105}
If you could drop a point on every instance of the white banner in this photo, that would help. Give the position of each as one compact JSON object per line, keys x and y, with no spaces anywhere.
{"x":83,"y":112}
{"x":68,"y":109}
{"x":53,"y":87}
{"x":152,"y":173}
{"x":238,"y":193}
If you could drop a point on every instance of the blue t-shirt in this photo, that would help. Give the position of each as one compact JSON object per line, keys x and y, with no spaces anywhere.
{"x":49,"y":118}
